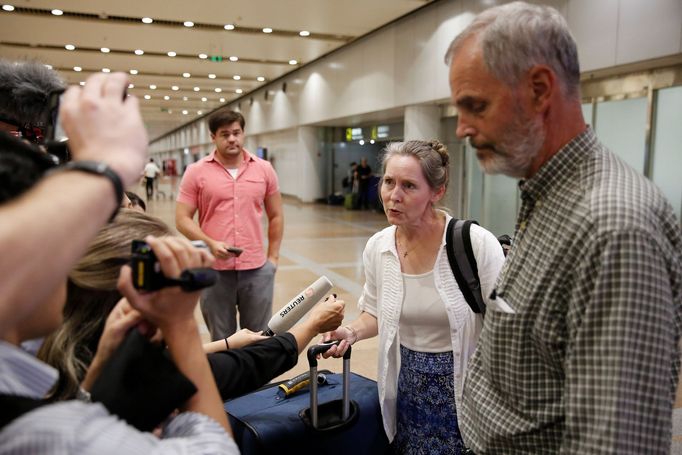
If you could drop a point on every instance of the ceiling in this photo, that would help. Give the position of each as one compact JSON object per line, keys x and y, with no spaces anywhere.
{"x":221,"y":29}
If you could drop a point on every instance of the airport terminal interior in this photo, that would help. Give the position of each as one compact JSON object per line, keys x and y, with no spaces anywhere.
{"x":324,"y":83}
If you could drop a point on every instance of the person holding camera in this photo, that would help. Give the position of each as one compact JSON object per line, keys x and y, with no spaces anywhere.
{"x":108,"y":144}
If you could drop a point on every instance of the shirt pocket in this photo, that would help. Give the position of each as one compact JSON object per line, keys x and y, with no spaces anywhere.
{"x":254,"y":190}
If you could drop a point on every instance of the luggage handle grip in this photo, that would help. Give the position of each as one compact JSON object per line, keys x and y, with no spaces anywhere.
{"x":321,"y":348}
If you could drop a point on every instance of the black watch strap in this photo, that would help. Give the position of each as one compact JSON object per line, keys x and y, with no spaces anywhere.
{"x":102,"y":169}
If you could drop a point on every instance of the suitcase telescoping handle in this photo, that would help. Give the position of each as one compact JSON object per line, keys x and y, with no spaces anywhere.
{"x":313,"y":351}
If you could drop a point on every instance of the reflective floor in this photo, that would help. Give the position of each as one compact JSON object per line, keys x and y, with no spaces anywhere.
{"x":318,"y":240}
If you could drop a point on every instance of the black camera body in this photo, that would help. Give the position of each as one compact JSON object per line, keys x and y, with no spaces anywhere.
{"x":148,"y":277}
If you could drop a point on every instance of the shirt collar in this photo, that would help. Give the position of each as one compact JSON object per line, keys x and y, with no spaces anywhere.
{"x":249,"y":156}
{"x":560,"y":168}
{"x":22,"y":374}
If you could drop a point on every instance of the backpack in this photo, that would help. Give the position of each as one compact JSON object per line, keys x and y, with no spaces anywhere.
{"x":463,"y":262}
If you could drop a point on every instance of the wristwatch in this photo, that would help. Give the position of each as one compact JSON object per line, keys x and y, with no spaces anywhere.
{"x":98,"y":168}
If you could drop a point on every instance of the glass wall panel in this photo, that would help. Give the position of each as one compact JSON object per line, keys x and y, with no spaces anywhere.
{"x":587,"y":113}
{"x":474,"y":187}
{"x":500,"y":204}
{"x":621,"y":127}
{"x":667,"y":155}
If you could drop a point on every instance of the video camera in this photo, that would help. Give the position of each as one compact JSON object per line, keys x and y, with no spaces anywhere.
{"x":147,"y":274}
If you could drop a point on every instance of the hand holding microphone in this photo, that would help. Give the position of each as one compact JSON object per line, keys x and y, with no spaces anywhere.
{"x":297,"y":307}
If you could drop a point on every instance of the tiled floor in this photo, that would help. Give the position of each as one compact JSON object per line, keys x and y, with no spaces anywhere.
{"x":318,"y":240}
{"x":324,"y":240}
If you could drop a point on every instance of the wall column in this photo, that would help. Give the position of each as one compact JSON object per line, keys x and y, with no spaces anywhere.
{"x":422,"y":122}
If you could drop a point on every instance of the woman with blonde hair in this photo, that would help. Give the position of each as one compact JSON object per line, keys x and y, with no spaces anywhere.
{"x":427,"y":331}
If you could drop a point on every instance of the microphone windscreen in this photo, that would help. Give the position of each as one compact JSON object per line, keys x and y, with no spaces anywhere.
{"x":297,"y":307}
{"x":25,"y":89}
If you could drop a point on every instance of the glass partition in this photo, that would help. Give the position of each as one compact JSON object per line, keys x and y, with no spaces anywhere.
{"x":621,"y":126}
{"x":667,"y":164}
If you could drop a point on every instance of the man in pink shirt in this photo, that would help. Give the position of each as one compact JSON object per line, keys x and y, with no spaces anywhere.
{"x":230,"y":188}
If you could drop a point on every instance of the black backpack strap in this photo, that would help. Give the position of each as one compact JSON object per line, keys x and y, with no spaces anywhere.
{"x":13,"y":406}
{"x":463,"y":262}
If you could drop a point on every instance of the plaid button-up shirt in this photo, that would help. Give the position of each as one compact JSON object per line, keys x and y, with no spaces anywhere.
{"x":587,"y":359}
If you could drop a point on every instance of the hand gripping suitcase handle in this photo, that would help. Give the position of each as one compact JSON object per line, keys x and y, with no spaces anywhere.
{"x":313,"y":351}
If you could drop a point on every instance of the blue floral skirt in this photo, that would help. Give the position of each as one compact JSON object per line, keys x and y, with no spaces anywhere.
{"x":426,"y":414}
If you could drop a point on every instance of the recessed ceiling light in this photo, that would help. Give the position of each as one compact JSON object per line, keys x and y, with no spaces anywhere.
{"x":260,"y":78}
{"x":70,"y":47}
{"x":204,"y":99}
{"x":371,"y":141}
{"x":184,"y":98}
{"x":175,"y":88}
{"x":236,"y":77}
{"x":81,"y":83}
{"x":166,"y":97}
{"x":172,"y":54}
{"x":147,"y":20}
{"x":8,"y":7}
{"x":147,"y":97}
{"x":222,"y":100}
{"x":105,"y":50}
{"x":152,"y":86}
{"x":48,"y":66}
{"x":362,"y":142}
{"x":203,"y":56}
{"x":218,"y":89}
{"x":185,"y":112}
{"x":292,"y":62}
{"x":211,"y":76}
{"x":239,"y":91}
{"x":57,"y":12}
{"x":77,"y":69}
{"x":304,"y":33}
{"x":133,"y":72}
{"x":267,"y":30}
{"x":196,"y":89}
{"x":106,"y":70}
{"x":131,"y":86}
{"x":233,"y":58}
{"x":188,"y":24}
{"x":186,"y":75}
{"x":199,"y":112}
{"x":139,"y":52}
{"x":229,"y":27}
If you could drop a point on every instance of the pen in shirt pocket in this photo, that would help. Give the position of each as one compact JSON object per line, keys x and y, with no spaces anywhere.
{"x":497,"y":303}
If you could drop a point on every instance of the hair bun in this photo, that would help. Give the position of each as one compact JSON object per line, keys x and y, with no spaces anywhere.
{"x":442,"y":151}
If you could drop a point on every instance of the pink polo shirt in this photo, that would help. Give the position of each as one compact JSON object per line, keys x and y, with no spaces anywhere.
{"x":230,"y":210}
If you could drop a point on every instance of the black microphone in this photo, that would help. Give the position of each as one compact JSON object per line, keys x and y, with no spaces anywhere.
{"x":297,"y":307}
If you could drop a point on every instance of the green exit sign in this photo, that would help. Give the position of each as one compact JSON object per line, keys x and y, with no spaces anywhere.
{"x":216,"y":58}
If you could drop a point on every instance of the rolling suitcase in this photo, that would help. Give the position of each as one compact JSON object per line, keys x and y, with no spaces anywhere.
{"x":310,"y":422}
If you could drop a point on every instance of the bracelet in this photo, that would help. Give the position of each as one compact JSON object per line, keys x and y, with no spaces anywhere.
{"x":101,"y":169}
{"x":353,"y":332}
{"x":227,"y":345}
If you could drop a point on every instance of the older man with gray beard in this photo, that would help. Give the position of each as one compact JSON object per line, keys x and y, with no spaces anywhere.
{"x":579,"y":350}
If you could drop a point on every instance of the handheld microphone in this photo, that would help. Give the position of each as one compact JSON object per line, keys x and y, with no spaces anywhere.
{"x":290,"y":313}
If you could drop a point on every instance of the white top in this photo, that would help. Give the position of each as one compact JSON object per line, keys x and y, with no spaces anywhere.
{"x":151,"y":170}
{"x":382,"y":297}
{"x":424,"y":325}
{"x":233,"y":172}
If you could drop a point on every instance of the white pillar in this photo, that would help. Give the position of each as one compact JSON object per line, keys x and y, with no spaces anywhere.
{"x":422,"y":122}
{"x":311,"y":162}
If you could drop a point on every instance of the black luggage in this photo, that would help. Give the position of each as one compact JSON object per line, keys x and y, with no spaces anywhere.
{"x":265,"y":423}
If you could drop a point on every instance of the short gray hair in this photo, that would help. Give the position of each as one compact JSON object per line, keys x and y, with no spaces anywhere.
{"x":518,"y":35}
{"x":433,"y":159}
